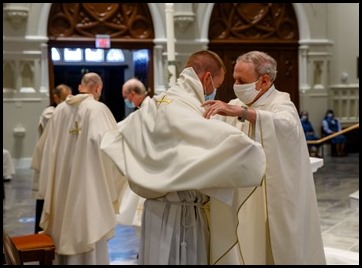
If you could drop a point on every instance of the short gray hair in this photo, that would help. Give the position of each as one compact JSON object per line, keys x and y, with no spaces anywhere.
{"x":263,"y":63}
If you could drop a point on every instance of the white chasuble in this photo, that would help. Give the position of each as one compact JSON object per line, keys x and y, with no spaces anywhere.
{"x":280,"y":221}
{"x":79,"y":184}
{"x":168,"y":146}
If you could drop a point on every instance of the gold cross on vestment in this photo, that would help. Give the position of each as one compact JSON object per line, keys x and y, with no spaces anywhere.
{"x":164,"y":99}
{"x":76,"y":129}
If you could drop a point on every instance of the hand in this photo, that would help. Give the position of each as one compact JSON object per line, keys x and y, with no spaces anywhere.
{"x":213,"y":107}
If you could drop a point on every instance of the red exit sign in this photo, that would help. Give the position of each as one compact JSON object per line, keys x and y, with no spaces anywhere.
{"x":103,"y":41}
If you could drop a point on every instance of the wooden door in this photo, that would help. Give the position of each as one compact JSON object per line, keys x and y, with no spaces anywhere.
{"x":76,"y":25}
{"x":236,"y":28}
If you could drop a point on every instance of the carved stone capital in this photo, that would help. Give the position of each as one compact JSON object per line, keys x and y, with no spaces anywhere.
{"x":16,"y":15}
{"x":183,"y":20}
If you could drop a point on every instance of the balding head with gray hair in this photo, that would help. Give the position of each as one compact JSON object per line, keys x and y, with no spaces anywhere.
{"x":135,"y":85}
{"x":134,"y":91}
{"x":92,"y":84}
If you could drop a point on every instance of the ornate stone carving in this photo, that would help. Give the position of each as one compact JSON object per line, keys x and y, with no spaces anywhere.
{"x":16,"y":15}
{"x":183,"y":20}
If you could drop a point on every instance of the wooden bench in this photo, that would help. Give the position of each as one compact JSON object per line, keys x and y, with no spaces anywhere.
{"x":28,"y":248}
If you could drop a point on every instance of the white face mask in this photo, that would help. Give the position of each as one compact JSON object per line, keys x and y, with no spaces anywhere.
{"x":246,"y":92}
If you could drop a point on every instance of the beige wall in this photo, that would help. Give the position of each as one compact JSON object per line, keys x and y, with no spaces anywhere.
{"x":329,"y":33}
{"x":343,"y":28}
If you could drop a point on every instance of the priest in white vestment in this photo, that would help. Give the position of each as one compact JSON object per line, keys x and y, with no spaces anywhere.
{"x":194,"y":173}
{"x":135,"y":95}
{"x":78,"y":183}
{"x":60,"y":93}
{"x":280,"y":221}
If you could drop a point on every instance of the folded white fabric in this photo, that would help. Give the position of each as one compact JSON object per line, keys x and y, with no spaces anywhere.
{"x":8,"y":165}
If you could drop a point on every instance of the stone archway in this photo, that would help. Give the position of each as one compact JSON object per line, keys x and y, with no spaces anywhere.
{"x":75,"y":25}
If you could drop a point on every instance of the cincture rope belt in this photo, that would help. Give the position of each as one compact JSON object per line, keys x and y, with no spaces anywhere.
{"x":184,"y":224}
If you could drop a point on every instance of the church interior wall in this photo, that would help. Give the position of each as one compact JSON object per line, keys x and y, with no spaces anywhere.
{"x":343,"y":26}
{"x":327,"y":54}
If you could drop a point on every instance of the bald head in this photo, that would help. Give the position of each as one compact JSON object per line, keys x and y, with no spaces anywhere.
{"x":91,"y":83}
{"x":135,"y":91}
{"x":135,"y":85}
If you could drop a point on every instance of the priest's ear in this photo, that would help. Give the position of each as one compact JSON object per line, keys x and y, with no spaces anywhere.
{"x":98,"y":92}
{"x":206,"y":76}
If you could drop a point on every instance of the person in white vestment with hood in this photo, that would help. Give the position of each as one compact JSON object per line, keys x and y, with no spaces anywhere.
{"x":59,"y":94}
{"x":135,"y":95}
{"x":194,"y":173}
{"x":78,"y":183}
{"x":280,"y":223}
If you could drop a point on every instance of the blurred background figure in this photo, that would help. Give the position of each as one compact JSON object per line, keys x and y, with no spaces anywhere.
{"x":8,"y":166}
{"x":134,"y":93}
{"x":59,"y":94}
{"x":135,"y":96}
{"x":309,"y":134}
{"x":330,"y":125}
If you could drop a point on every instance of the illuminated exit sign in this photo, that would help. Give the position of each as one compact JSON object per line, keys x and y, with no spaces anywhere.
{"x":103,"y":41}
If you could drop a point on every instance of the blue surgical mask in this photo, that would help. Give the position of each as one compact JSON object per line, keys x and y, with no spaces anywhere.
{"x":213,"y":94}
{"x":129,"y":104}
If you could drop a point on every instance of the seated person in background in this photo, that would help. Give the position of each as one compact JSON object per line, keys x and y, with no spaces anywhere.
{"x":331,"y":125}
{"x":8,"y":166}
{"x":309,"y":134}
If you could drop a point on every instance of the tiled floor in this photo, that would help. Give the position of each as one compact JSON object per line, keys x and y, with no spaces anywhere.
{"x":337,"y":184}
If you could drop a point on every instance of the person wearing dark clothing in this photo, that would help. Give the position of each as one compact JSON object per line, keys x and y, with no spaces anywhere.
{"x":331,"y":125}
{"x":309,"y":134}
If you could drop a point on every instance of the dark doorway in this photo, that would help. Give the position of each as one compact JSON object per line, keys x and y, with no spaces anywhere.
{"x":76,"y":25}
{"x":113,"y":79}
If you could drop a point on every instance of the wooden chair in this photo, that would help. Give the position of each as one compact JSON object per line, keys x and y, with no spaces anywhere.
{"x":28,"y":248}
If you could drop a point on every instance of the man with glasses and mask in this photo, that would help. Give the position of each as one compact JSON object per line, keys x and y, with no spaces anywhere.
{"x":195,"y":173}
{"x":281,"y":223}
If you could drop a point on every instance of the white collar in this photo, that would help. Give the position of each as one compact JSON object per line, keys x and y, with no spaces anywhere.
{"x":264,"y":98}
